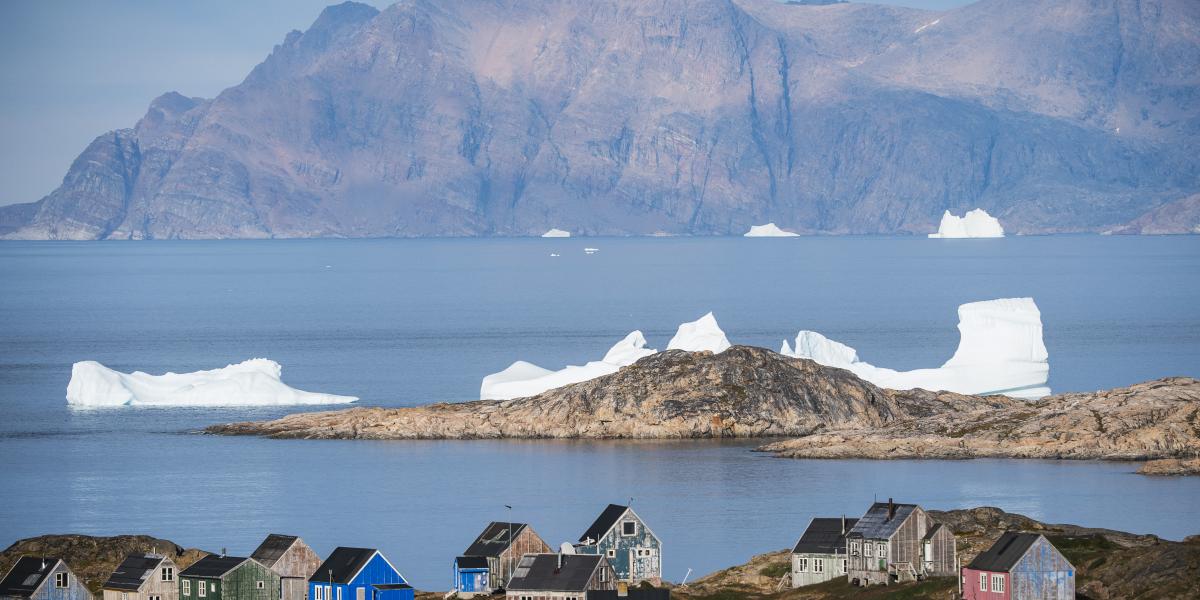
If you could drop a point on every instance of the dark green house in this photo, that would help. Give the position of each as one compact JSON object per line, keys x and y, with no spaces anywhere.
{"x":228,"y":578}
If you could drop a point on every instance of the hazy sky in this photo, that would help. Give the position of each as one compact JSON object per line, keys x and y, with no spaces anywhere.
{"x":73,"y":69}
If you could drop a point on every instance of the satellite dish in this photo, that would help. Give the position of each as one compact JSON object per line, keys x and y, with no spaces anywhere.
{"x":566,"y":548}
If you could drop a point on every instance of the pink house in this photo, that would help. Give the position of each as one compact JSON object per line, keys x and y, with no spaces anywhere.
{"x":1019,"y":566}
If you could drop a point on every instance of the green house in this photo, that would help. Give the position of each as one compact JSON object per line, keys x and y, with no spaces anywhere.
{"x":228,"y":578}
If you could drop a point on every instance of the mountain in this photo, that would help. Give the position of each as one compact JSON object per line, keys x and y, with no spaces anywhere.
{"x":701,"y":117}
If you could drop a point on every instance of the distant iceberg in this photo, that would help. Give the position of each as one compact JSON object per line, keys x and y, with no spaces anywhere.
{"x":523,"y":379}
{"x":768,"y":230}
{"x":255,"y":382}
{"x":700,"y":335}
{"x":556,"y":233}
{"x":1000,"y":351}
{"x":975,"y":224}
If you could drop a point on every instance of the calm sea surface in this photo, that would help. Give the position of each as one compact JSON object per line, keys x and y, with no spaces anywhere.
{"x":402,"y":322}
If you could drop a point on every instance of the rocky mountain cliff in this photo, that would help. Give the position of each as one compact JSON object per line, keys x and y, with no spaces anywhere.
{"x":463,"y":118}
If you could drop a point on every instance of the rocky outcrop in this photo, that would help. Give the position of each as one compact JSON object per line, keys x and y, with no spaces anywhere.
{"x":1155,"y":419}
{"x":93,"y":558}
{"x":1173,"y":218}
{"x":741,"y":392}
{"x":699,"y":117}
{"x":1171,"y":466}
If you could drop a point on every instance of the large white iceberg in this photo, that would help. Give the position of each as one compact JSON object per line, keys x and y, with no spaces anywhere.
{"x":975,"y":224}
{"x":255,"y":382}
{"x":556,"y":233}
{"x":768,"y":230}
{"x":523,"y":379}
{"x":700,"y":335}
{"x":1000,"y":351}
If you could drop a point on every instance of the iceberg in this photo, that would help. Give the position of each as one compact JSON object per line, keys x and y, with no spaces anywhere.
{"x":975,"y":224}
{"x":254,"y":382}
{"x":556,"y":233}
{"x":1000,"y":351}
{"x":768,"y":230}
{"x":523,"y":379}
{"x":700,"y":335}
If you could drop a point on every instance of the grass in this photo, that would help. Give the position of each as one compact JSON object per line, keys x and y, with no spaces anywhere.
{"x":1083,"y":551}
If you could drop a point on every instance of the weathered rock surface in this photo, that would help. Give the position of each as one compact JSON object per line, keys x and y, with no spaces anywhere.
{"x":1171,"y":466}
{"x":741,"y":392}
{"x":1155,"y":419}
{"x":93,"y":558}
{"x":1172,"y":218}
{"x":458,"y":118}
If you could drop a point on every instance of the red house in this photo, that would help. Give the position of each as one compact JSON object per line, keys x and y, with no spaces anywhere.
{"x":1019,"y":566}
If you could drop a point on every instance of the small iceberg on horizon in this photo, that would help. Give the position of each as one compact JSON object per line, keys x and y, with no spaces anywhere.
{"x":975,"y":224}
{"x":1000,"y":351}
{"x":768,"y":230}
{"x":701,"y":335}
{"x":522,"y":379}
{"x":556,"y":233}
{"x":255,"y":382}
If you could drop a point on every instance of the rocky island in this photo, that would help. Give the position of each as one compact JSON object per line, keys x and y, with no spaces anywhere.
{"x":747,"y":391}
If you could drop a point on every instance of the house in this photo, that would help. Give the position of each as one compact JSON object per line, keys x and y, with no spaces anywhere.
{"x":142,"y":577}
{"x":631,"y":593}
{"x":1019,"y":566}
{"x":560,"y":577}
{"x":42,"y":578}
{"x":632,"y":549}
{"x":358,"y":574}
{"x":820,"y":554}
{"x":488,"y":562}
{"x":217,"y":577}
{"x":291,"y":559}
{"x":898,"y":542}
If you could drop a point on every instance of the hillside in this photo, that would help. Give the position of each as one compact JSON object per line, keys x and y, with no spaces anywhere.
{"x":93,"y":558}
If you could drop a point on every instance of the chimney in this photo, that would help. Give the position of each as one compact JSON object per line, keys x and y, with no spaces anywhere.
{"x":222,"y":552}
{"x":891,"y":509}
{"x":559,"y":567}
{"x":843,"y":524}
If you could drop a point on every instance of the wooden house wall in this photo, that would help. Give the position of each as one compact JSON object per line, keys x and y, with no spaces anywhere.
{"x":624,"y":549}
{"x":907,"y":543}
{"x":75,"y":589}
{"x":1043,"y":573}
{"x":298,"y":561}
{"x":606,"y":582}
{"x":832,"y":568}
{"x":971,"y":589}
{"x":526,"y":542}
{"x":945,"y":561}
{"x":154,"y":585}
{"x":242,"y":583}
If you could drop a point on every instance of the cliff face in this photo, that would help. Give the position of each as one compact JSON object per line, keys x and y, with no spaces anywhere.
{"x":690,"y":117}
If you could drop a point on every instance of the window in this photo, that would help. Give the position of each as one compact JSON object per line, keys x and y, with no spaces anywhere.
{"x":818,"y":565}
{"x":997,"y":583}
{"x":124,"y":596}
{"x":844,"y":566}
{"x":629,"y":528}
{"x":187,"y":587}
{"x":339,"y":593}
{"x":526,"y":597}
{"x":603,"y":575}
{"x":328,"y":592}
{"x":867,"y":549}
{"x":154,"y":598}
{"x":61,"y":580}
{"x":168,"y":573}
{"x":854,"y":548}
{"x":202,"y":590}
{"x":317,"y":592}
{"x":983,"y":582}
{"x":260,"y":585}
{"x":612,"y":553}
{"x":881,"y":551}
{"x":212,"y":587}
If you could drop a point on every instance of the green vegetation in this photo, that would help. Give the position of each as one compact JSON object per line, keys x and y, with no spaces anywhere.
{"x":775,"y":570}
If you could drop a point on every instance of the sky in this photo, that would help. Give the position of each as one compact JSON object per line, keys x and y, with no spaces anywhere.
{"x":71,"y":70}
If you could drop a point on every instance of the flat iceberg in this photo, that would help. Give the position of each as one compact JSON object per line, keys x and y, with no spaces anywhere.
{"x":556,"y":233}
{"x":768,"y":230}
{"x":1000,"y":351}
{"x":975,"y":224}
{"x":700,"y":335}
{"x":254,"y":382}
{"x":523,"y":379}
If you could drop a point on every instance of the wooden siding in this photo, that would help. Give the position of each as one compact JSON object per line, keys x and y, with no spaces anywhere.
{"x":623,"y":556}
{"x":595,"y":583}
{"x":239,"y":584}
{"x":971,"y":589}
{"x":832,"y":569}
{"x":942,"y":558}
{"x":526,"y":542}
{"x":75,"y":589}
{"x":154,"y":585}
{"x":904,"y":553}
{"x":377,"y":571}
{"x":298,"y":561}
{"x":1043,"y":573}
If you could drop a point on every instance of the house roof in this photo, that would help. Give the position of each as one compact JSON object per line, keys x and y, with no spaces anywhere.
{"x":494,"y":539}
{"x":344,"y":563}
{"x":878,"y":524}
{"x":213,"y":566}
{"x":541,"y":572}
{"x":824,"y":536}
{"x":933,"y":531}
{"x":471,"y":562}
{"x":27,"y":575}
{"x":133,"y":572}
{"x":272,"y":548}
{"x":604,"y":522}
{"x":1004,"y":554}
{"x":391,"y":586}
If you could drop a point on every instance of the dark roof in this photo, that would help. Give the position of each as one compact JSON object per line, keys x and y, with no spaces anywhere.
{"x":540,"y":572}
{"x":604,"y":522}
{"x":824,"y":536}
{"x":391,"y":586}
{"x":471,"y":562}
{"x":344,"y":562}
{"x":494,"y":539}
{"x":25,"y":576}
{"x":213,"y":566}
{"x":635,"y":593}
{"x":933,"y":531}
{"x":133,"y":572}
{"x":1005,"y":553}
{"x":272,"y":548}
{"x":877,"y":524}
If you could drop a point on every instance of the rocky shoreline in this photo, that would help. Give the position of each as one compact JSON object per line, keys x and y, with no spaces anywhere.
{"x":830,"y":413}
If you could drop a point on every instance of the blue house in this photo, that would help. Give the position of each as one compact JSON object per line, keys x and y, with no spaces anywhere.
{"x":471,"y":576}
{"x":621,"y":536}
{"x":358,"y":574}
{"x":42,"y":578}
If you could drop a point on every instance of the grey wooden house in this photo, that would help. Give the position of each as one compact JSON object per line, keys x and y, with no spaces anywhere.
{"x":898,"y":542}
{"x":820,"y":553}
{"x":292,"y":560}
{"x":228,"y":578}
{"x":143,"y":577}
{"x":500,"y":545}
{"x":560,"y":577}
{"x":632,"y":549}
{"x":42,"y":578}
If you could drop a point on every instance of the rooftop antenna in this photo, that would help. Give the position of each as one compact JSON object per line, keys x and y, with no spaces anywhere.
{"x":510,"y":540}
{"x":631,"y":501}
